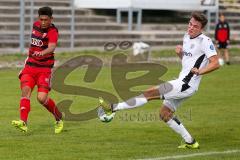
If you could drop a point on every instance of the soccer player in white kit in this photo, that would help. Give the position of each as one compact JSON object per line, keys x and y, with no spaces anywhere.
{"x":198,"y":57}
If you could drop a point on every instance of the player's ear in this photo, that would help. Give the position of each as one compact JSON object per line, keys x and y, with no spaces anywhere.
{"x":51,"y":19}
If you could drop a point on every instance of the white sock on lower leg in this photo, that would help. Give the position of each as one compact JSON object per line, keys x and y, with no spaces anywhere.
{"x":180,"y":129}
{"x":131,"y":103}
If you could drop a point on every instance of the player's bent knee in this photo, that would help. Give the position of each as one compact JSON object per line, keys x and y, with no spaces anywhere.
{"x":165,"y":114}
{"x":26,"y":91}
{"x":165,"y":88}
{"x":42,"y":98}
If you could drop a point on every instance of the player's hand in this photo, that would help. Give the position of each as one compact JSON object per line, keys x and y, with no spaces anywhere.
{"x":37,"y":54}
{"x":228,"y":41}
{"x":179,"y":50}
{"x":195,"y":71}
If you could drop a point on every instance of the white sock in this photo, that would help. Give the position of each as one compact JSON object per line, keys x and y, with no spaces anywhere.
{"x":131,"y":103}
{"x":177,"y":126}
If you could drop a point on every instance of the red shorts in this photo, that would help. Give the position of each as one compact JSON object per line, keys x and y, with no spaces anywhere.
{"x":31,"y":76}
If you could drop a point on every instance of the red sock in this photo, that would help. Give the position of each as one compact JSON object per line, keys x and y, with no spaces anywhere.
{"x":24,"y":108}
{"x":51,"y":107}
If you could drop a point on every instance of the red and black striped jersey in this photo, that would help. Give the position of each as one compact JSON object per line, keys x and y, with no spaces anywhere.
{"x":40,"y":39}
{"x":222,"y":32}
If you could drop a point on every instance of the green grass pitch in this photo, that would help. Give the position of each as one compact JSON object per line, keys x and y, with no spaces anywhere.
{"x":212,"y":116}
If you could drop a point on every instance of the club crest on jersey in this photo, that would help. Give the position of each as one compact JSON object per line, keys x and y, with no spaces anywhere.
{"x":37,"y":42}
{"x":212,"y":47}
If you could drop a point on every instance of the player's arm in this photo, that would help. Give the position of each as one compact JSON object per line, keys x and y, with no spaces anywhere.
{"x":50,"y":49}
{"x":179,"y":51}
{"x":212,"y":65}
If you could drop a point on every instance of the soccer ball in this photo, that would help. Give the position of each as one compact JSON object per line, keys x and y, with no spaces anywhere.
{"x":105,"y":117}
{"x":221,"y":61}
{"x":139,"y":48}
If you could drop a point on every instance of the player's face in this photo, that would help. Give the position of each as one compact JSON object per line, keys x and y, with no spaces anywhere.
{"x":222,"y":18}
{"x":194,"y":28}
{"x":45,"y":21}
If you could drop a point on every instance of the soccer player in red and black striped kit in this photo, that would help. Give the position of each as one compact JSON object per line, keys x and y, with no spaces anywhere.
{"x":222,"y":37}
{"x":38,"y":68}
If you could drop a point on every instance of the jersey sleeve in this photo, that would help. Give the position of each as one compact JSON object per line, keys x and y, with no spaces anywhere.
{"x":53,"y":36}
{"x":208,"y":48}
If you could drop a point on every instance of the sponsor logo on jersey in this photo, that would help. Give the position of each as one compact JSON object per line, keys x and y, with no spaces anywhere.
{"x":187,"y":54}
{"x":37,"y":42}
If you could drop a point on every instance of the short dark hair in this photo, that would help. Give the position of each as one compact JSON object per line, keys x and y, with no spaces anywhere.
{"x":200,"y":17}
{"x":45,"y":11}
{"x":221,"y":14}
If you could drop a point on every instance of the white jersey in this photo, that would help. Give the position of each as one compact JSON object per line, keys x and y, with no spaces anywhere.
{"x":193,"y":48}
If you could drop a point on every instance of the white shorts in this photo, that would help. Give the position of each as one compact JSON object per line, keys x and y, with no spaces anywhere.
{"x":171,"y":93}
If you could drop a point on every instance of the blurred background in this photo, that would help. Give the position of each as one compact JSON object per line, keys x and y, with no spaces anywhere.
{"x":142,"y":30}
{"x":89,"y":24}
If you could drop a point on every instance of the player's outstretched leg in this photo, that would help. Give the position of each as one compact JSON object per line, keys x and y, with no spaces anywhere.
{"x":129,"y":104}
{"x":110,"y":109}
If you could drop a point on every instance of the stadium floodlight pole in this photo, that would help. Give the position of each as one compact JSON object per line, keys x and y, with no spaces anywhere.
{"x":31,"y":14}
{"x":22,"y":22}
{"x":130,"y":18}
{"x":119,"y":16}
{"x":209,"y":19}
{"x":217,"y":11}
{"x":72,"y":24}
{"x":139,"y":19}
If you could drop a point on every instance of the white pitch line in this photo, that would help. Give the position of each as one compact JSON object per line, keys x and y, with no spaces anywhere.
{"x":192,"y":155}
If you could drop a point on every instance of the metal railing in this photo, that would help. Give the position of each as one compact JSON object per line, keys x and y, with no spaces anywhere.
{"x":31,"y":4}
{"x":130,"y":6}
